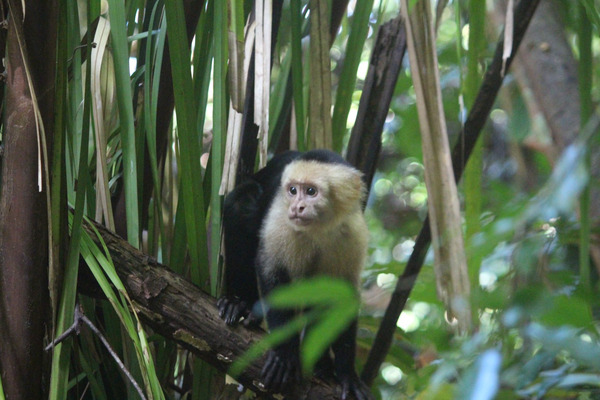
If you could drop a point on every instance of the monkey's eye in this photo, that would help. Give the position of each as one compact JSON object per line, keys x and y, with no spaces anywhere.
{"x":311,"y":191}
{"x":293,"y":191}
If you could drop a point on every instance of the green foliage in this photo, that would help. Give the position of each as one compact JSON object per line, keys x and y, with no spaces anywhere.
{"x":185,"y":101}
{"x":128,"y":141}
{"x":591,"y":9}
{"x":347,"y":83}
{"x":101,"y":266}
{"x":538,"y":334}
{"x":65,"y":313}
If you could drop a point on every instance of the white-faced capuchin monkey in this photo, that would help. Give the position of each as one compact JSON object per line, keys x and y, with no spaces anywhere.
{"x":300,"y":216}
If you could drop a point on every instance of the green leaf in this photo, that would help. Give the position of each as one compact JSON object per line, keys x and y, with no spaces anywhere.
{"x":312,"y":292}
{"x":482,"y":380}
{"x":567,"y":339}
{"x":592,"y":12}
{"x":154,"y":51}
{"x":568,"y":310}
{"x":191,"y":179}
{"x":220,"y":103}
{"x":60,"y":357}
{"x":103,"y":269}
{"x":329,"y":325}
{"x":120,"y":51}
{"x":347,"y":84}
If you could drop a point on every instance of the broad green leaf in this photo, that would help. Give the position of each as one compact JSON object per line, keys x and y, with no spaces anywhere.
{"x":312,"y":292}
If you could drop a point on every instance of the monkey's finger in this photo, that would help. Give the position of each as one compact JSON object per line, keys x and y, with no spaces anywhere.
{"x":289,"y":375}
{"x":357,"y":388}
{"x":222,"y":306}
{"x":235,"y":313}
{"x":345,"y":389}
{"x":268,"y":362}
{"x":363,"y":395}
{"x":229,"y":316}
{"x":278,"y":376}
{"x":267,"y":378}
{"x":267,"y":370}
{"x":226,"y":307}
{"x":232,"y":314}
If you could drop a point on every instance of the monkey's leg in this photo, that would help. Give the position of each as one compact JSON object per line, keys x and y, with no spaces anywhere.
{"x":344,"y":349}
{"x":282,"y":366}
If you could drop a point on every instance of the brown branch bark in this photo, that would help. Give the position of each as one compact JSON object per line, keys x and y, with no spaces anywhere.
{"x":319,"y":107}
{"x":180,"y":311}
{"x":384,"y":67}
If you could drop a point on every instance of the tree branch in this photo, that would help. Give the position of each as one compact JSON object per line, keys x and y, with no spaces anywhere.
{"x":384,"y":67}
{"x":180,"y":311}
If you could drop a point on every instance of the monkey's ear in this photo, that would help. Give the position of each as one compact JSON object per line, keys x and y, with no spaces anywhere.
{"x":347,"y":186}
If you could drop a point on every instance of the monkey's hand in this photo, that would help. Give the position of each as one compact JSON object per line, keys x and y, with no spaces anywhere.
{"x":281,"y":368}
{"x":351,"y":383}
{"x":232,"y":309}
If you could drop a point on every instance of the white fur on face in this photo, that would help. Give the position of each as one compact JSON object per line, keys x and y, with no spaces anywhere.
{"x":336,"y":243}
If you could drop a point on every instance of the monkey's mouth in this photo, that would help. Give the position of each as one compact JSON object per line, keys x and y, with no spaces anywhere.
{"x":299,"y":221}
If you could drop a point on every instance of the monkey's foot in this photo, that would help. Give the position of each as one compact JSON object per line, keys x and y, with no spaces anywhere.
{"x":324,"y":369}
{"x":352,"y":384}
{"x":232,"y":309}
{"x":281,"y":368}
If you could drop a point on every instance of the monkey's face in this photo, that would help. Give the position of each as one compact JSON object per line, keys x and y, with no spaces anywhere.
{"x":307,"y":204}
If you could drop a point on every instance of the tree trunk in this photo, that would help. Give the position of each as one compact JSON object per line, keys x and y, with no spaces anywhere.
{"x":24,"y":303}
{"x":555,"y":93}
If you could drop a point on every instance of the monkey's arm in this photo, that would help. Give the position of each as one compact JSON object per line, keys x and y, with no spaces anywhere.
{"x":241,"y":222}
